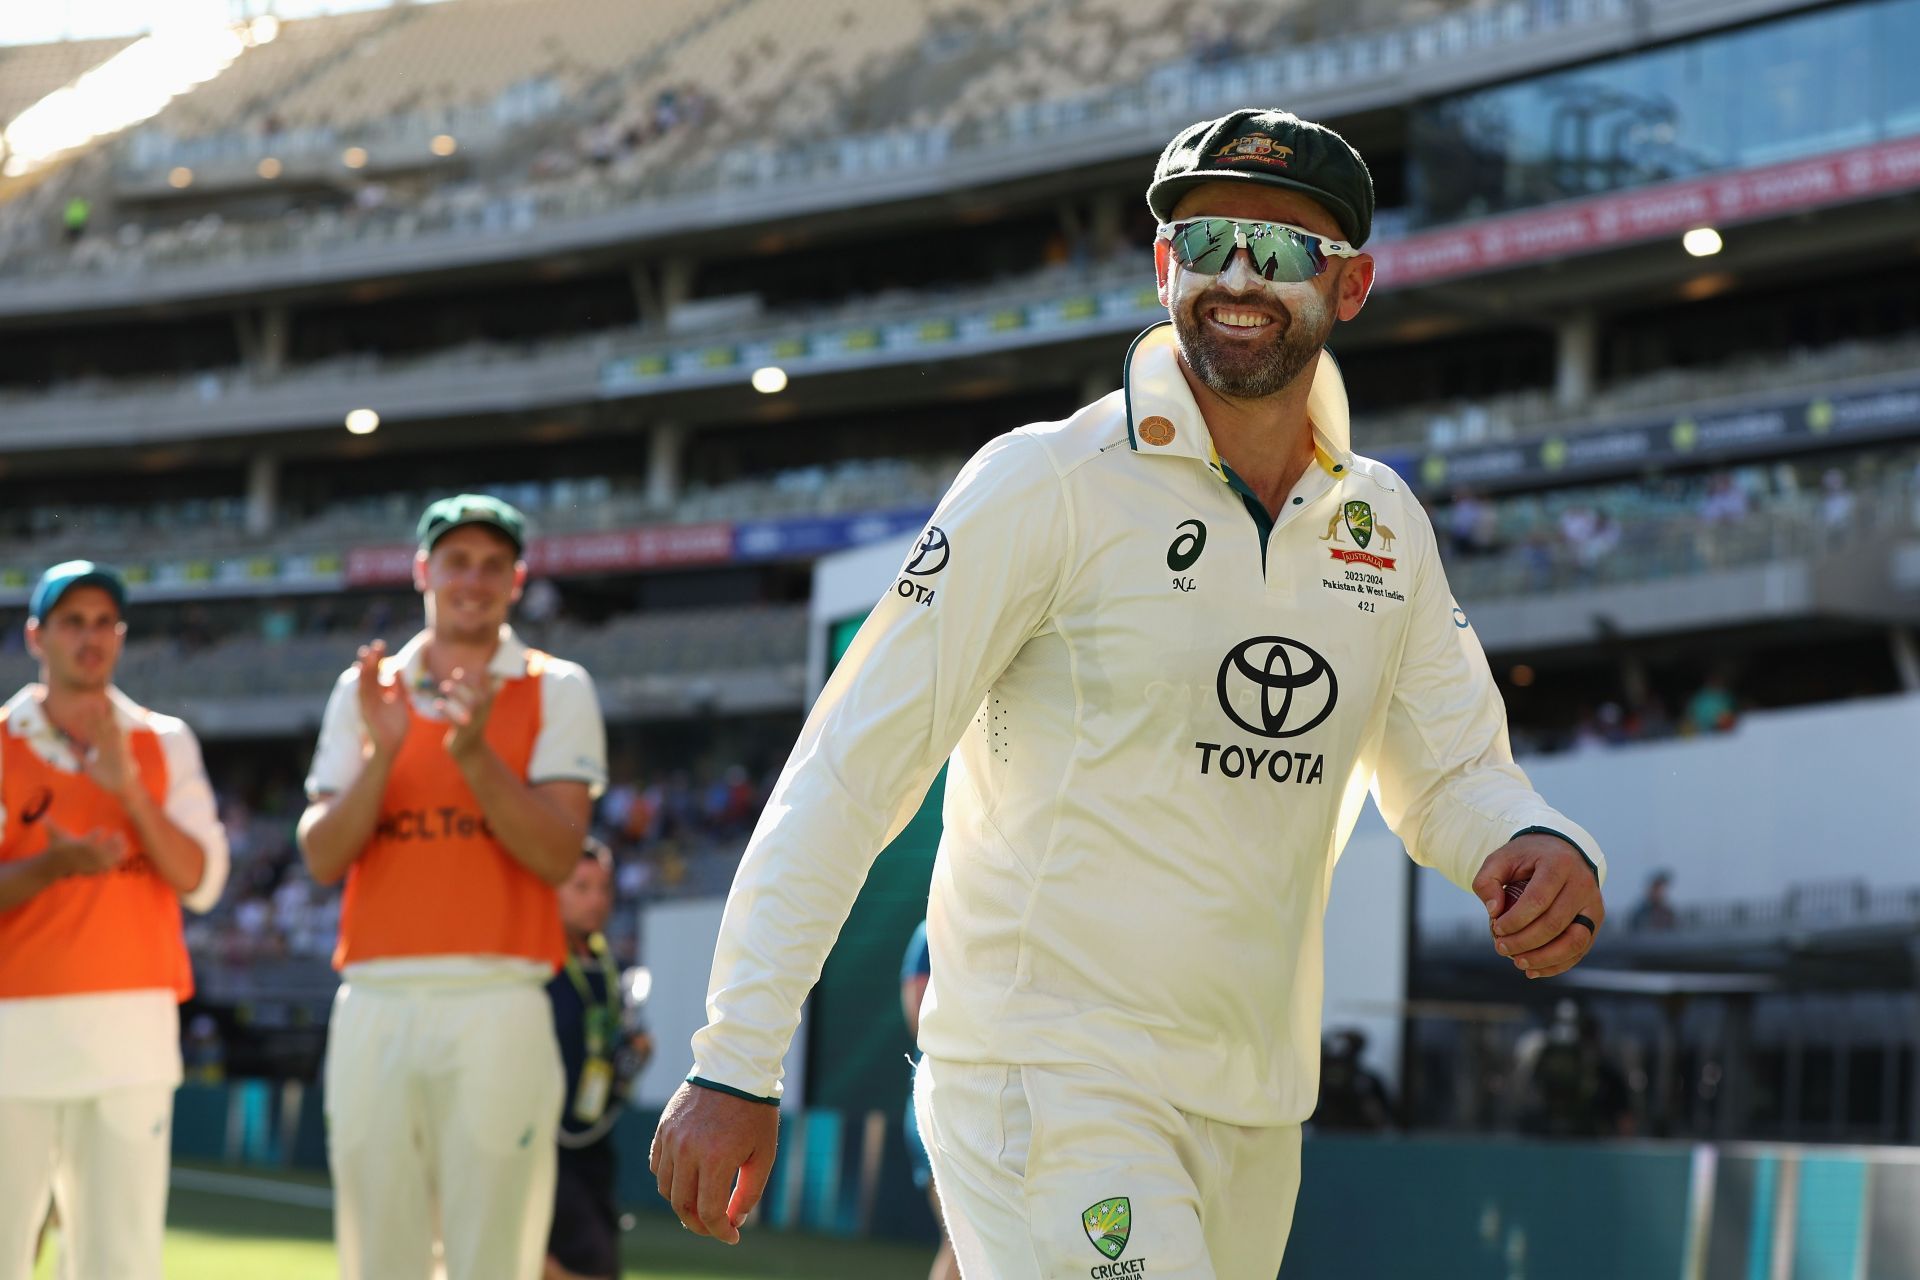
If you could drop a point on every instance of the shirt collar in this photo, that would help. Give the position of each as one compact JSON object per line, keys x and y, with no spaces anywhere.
{"x":26,"y":713}
{"x":1162,"y":417}
{"x":509,"y":660}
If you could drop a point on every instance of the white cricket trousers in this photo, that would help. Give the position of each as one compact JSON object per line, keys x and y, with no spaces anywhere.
{"x":1037,"y":1166}
{"x":103,"y":1160}
{"x":442,"y":1100}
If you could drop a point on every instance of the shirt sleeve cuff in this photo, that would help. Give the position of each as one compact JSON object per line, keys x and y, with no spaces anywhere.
{"x":1561,"y":835}
{"x":729,"y":1089}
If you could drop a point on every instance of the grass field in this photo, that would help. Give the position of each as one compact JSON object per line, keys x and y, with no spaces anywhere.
{"x":222,"y":1227}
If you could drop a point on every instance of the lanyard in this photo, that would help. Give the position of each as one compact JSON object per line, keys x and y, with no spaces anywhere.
{"x":600,"y":1022}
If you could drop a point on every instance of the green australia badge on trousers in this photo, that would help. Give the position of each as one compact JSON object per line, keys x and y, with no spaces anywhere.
{"x":1108,"y":1224}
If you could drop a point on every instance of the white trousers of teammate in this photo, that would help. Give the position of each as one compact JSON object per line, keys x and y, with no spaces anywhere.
{"x":103,"y":1160}
{"x":442,"y":1101}
{"x":1023,"y":1157}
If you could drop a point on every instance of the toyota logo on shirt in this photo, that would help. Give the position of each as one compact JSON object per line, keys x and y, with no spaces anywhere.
{"x":1276,"y":687}
{"x":930,"y":557}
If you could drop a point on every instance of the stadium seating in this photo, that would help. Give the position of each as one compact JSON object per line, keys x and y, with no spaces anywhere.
{"x":1520,"y":415}
{"x":439,"y":57}
{"x":29,"y":72}
{"x":249,"y":95}
{"x":679,"y":643}
{"x":685,"y":97}
{"x":213,"y":529}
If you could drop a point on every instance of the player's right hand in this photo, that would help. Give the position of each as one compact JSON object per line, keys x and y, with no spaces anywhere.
{"x":383,"y":702}
{"x":706,"y":1140}
{"x":97,"y":851}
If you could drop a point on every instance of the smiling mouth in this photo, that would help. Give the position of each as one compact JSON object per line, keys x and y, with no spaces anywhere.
{"x":1235,"y":319}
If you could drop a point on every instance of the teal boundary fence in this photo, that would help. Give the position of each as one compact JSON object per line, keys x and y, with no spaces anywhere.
{"x":1370,"y":1208}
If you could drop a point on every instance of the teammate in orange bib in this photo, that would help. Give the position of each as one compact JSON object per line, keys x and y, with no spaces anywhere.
{"x":451,"y":787}
{"x":107,"y":823}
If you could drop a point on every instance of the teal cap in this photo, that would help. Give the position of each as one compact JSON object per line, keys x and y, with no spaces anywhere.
{"x":62,"y":578}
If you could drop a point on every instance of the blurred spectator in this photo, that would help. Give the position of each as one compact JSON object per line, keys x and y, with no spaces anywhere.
{"x":1473,"y":525}
{"x":1591,"y":535}
{"x":1586,"y":734}
{"x":1648,"y":719}
{"x":1836,"y":501}
{"x":1568,"y":1088}
{"x":378,"y":618}
{"x":195,"y":632}
{"x":603,"y":1044}
{"x":539,"y":607}
{"x":916,"y":972}
{"x":542,"y":601}
{"x":1213,"y":42}
{"x":1606,"y":727}
{"x":1725,"y":500}
{"x":202,"y":1053}
{"x":1351,"y":1097}
{"x":1654,"y":911}
{"x":633,"y":879}
{"x":1536,"y":559}
{"x":277,"y":624}
{"x":76,"y":216}
{"x":1712,"y":709}
{"x":618,"y":806}
{"x":252,"y":918}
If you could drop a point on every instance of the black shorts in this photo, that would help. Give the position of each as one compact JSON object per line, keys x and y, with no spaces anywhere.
{"x":586,"y":1223}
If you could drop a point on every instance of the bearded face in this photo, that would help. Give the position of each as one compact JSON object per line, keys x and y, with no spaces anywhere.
{"x":1245,"y":337}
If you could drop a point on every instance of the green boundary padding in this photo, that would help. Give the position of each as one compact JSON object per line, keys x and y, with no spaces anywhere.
{"x":1829,"y":1223}
{"x":857,"y":1041}
{"x":1766,"y":1177}
{"x":200,"y":1122}
{"x":858,"y":1050}
{"x":1390,"y":1209}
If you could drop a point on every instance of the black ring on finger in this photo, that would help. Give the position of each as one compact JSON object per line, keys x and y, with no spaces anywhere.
{"x":1585,"y":921}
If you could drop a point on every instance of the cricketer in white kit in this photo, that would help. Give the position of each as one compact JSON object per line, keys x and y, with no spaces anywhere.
{"x":1169,"y":644}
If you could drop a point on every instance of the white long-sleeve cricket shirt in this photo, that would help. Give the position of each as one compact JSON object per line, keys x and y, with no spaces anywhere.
{"x":1163,"y":712}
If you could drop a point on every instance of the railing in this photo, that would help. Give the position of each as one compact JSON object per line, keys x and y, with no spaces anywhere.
{"x":1825,"y":908}
{"x":675,"y":645}
{"x":386,"y":520}
{"x":1678,"y":544}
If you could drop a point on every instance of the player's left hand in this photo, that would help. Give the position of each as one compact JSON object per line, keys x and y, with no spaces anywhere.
{"x":109,"y":760}
{"x":1539,"y":931}
{"x":465,"y":703}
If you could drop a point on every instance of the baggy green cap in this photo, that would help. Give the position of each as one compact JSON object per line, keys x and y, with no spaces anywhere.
{"x":472,"y":508}
{"x":1272,"y":147}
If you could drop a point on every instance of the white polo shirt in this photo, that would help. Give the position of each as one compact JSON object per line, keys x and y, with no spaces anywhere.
{"x":571,"y":746}
{"x":81,"y":1045}
{"x":1163,"y":719}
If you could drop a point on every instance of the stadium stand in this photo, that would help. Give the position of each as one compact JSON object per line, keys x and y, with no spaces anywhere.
{"x":775,"y":94}
{"x":216,"y":528}
{"x":250,"y":94}
{"x":436,"y":59}
{"x":29,"y":72}
{"x":632,"y":649}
